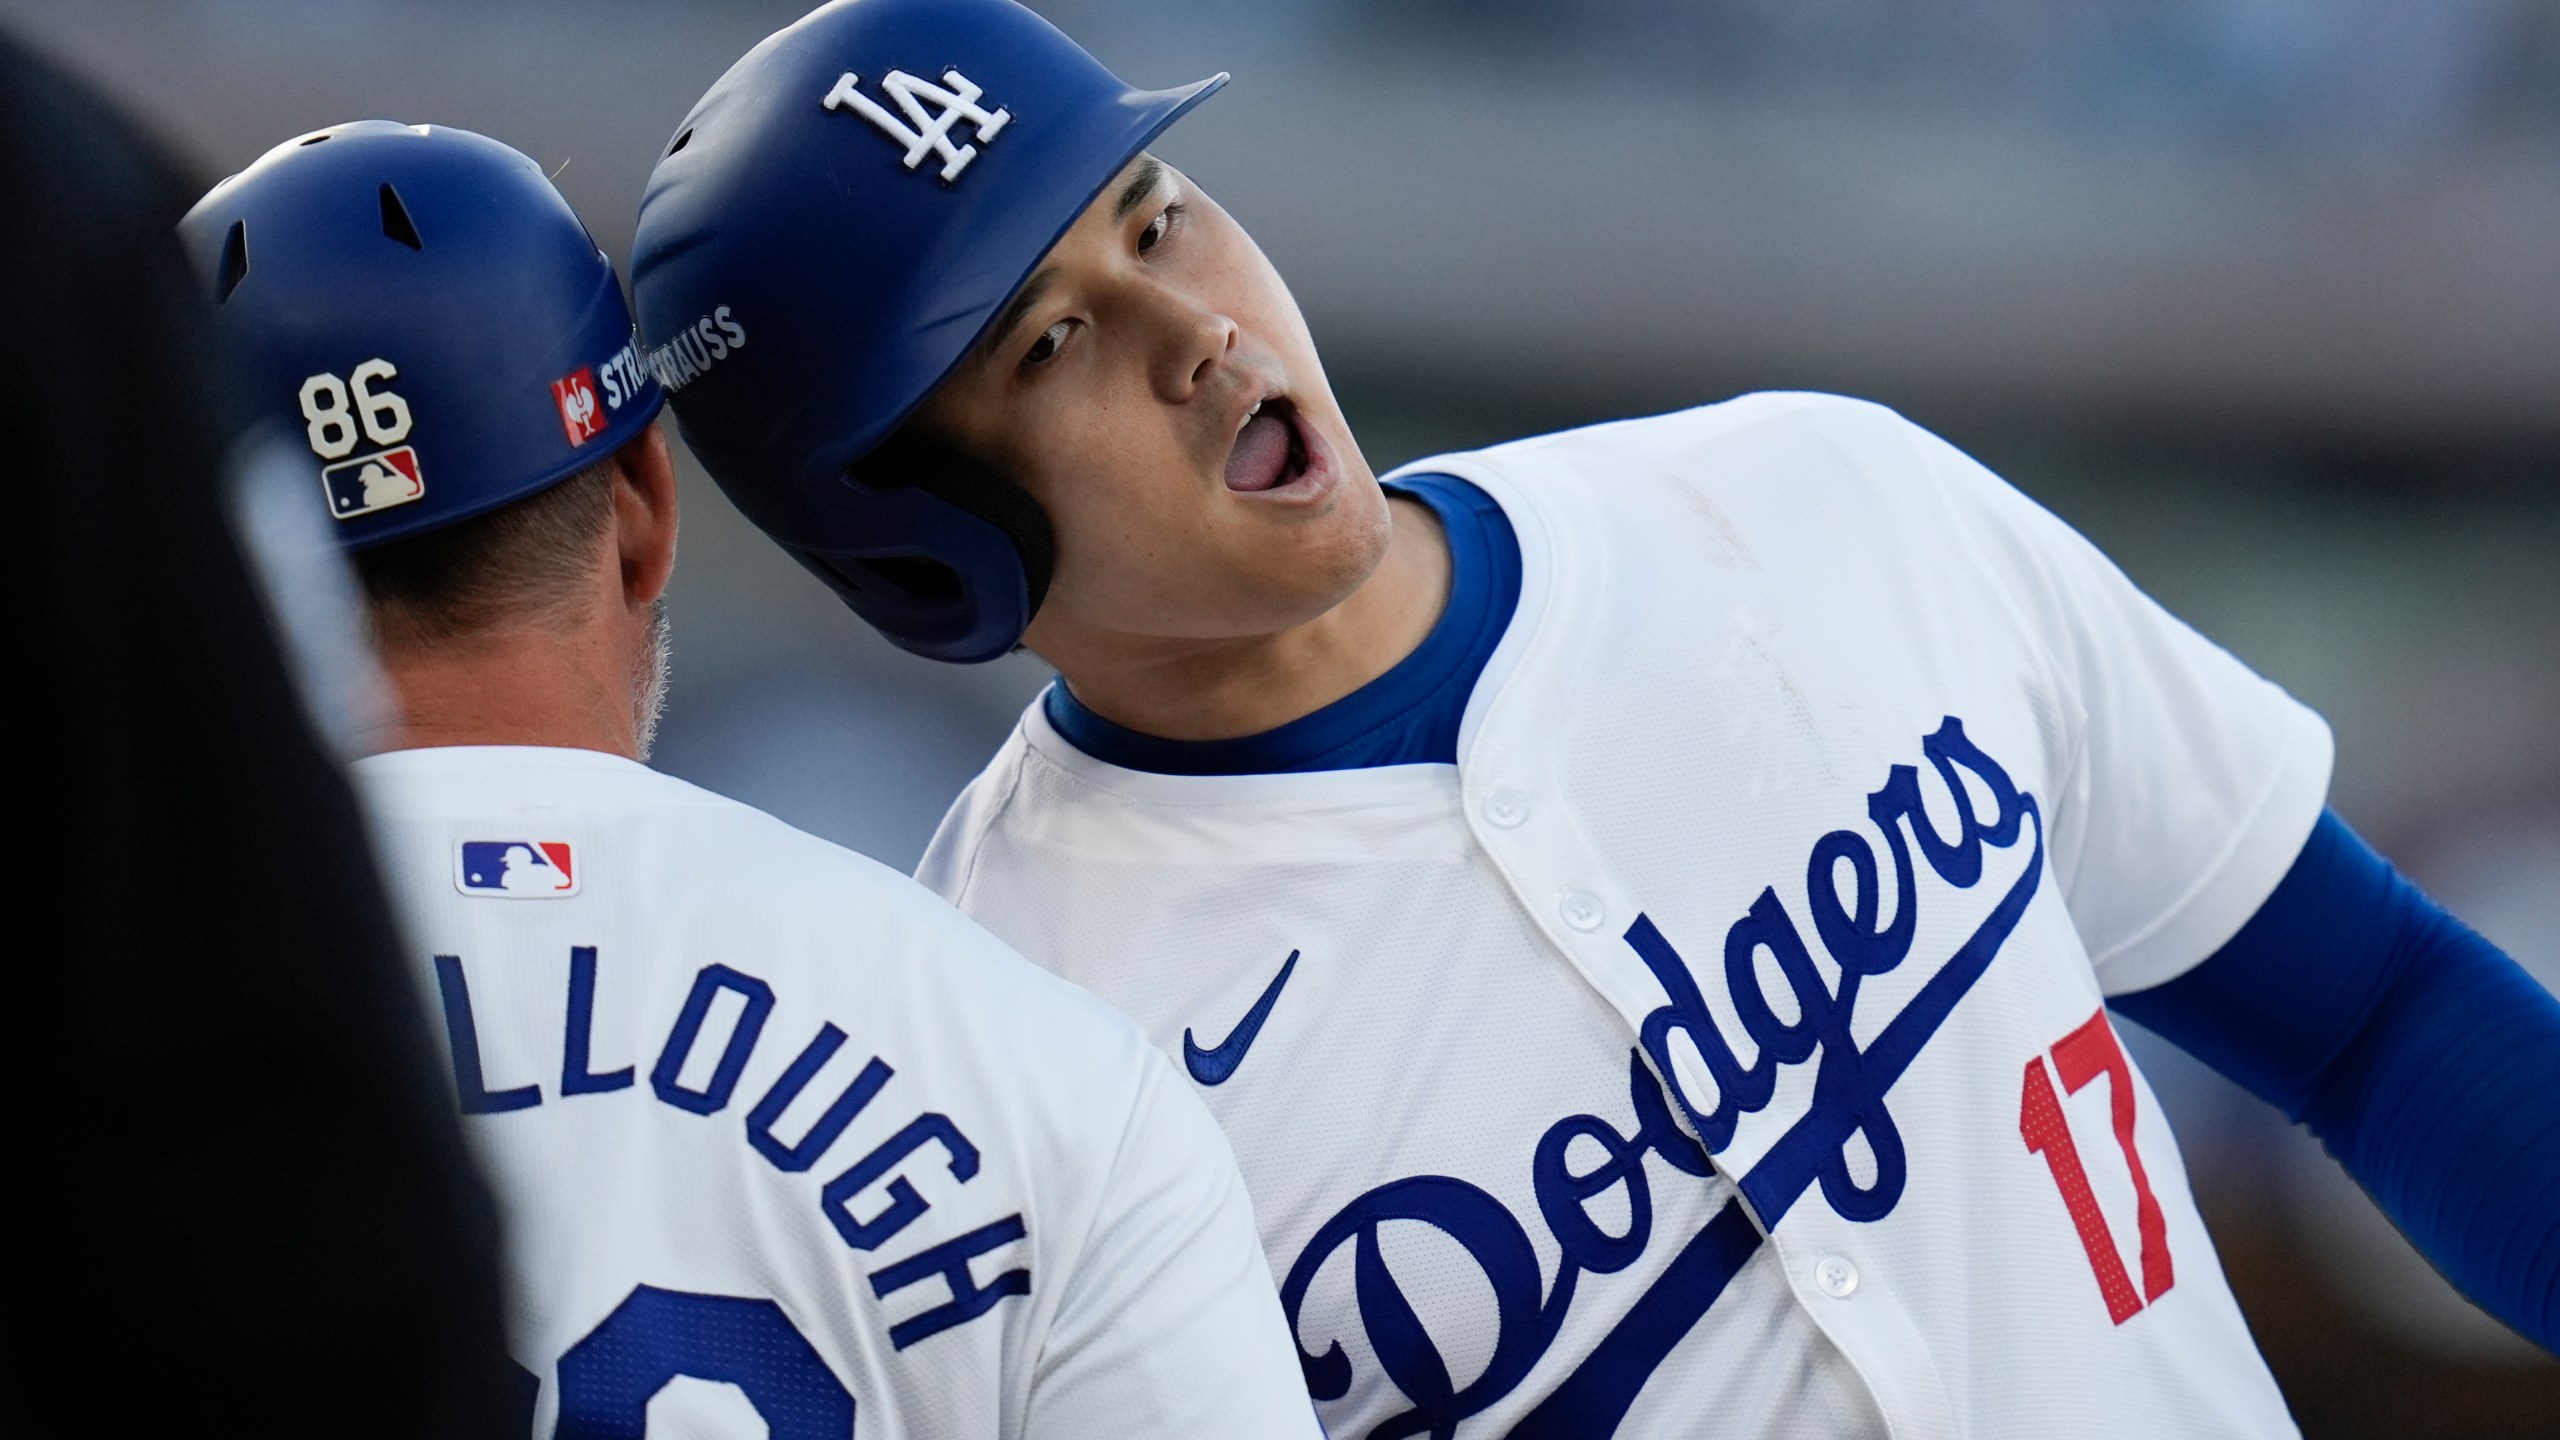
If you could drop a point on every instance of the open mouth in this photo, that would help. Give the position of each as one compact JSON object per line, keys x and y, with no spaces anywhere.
{"x":1270,"y":449}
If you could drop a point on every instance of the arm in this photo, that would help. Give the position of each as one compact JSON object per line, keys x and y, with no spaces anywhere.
{"x":1170,"y":1325}
{"x":2425,"y":1059}
{"x":2428,"y":1062}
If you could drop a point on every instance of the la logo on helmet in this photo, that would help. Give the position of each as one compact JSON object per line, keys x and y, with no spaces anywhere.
{"x":921,"y":133}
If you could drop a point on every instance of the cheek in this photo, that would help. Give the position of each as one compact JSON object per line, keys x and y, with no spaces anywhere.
{"x":1104,"y":430}
{"x":1258,"y":297}
{"x":1118,"y":488}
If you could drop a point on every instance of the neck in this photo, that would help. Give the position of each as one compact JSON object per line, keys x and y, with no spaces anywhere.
{"x":571,"y":687}
{"x":1221,"y":689}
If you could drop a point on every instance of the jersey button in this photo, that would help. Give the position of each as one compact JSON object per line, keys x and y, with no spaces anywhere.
{"x":1506,"y":808}
{"x":1582,"y":910}
{"x":1835,"y":1277}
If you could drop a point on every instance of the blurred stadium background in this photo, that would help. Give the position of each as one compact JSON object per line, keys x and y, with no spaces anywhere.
{"x":2264,"y":295}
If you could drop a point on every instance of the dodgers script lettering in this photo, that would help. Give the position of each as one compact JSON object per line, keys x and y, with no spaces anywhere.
{"x":1848,"y":1102}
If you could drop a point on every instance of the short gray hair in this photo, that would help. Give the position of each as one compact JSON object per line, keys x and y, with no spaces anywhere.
{"x":530,"y":555}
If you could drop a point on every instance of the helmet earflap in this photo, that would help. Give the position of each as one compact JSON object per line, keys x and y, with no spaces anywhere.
{"x":963,"y":556}
{"x":921,"y":461}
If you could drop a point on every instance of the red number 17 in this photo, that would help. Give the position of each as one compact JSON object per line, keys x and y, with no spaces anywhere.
{"x":2080,"y":1057}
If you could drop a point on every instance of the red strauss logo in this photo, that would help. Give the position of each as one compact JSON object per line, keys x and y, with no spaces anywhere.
{"x":580,"y":414}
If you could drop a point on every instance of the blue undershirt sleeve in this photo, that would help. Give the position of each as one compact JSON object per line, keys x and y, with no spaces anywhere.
{"x":2424,"y":1058}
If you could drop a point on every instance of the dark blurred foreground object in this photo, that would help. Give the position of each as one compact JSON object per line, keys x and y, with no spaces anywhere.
{"x":239,"y":1199}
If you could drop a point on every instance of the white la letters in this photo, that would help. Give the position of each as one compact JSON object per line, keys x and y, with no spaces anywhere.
{"x":923,"y":134}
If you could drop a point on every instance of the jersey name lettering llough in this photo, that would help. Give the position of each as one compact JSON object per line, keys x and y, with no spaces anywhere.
{"x":875,"y":1178}
{"x":923,"y":134}
{"x":1848,"y":1101}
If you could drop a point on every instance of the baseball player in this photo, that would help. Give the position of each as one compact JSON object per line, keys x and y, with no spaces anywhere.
{"x":782,"y":1142}
{"x":1646,"y":901}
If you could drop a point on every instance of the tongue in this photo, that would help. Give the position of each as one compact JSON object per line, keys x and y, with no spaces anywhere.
{"x":1261,"y":454}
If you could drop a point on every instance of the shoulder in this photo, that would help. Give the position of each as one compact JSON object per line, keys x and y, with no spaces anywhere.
{"x":901,"y":931}
{"x":1801,"y":451}
{"x":675,"y":858}
{"x":699,"y":875}
{"x":1826,"y":470}
{"x":1762,"y":418}
{"x":950,"y":858}
{"x":909,"y":951}
{"x":643,"y":821}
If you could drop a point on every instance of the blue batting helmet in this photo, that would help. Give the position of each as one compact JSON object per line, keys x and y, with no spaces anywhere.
{"x":826,"y":236}
{"x":423,"y":308}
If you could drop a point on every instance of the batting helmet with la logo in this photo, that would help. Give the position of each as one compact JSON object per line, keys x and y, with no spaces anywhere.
{"x":856,"y":199}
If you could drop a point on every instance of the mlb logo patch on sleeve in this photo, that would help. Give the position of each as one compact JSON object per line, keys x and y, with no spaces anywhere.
{"x":580,"y":415}
{"x":515,"y":869}
{"x":373,"y":482}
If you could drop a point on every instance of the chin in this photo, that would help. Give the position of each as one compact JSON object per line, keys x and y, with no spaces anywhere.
{"x":1281,"y":567}
{"x":1329,"y":566}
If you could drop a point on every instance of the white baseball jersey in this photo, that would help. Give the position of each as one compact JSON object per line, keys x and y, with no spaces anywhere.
{"x":1818,"y":793}
{"x":784,"y":1146}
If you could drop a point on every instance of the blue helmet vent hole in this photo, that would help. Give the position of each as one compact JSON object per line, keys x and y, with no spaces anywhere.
{"x":684,"y":137}
{"x":396,"y":223}
{"x":235,"y":262}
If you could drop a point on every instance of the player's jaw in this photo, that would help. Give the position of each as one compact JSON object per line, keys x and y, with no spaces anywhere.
{"x":1154,"y":387}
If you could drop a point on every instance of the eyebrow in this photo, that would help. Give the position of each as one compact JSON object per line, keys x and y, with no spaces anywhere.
{"x":1023,"y":299}
{"x":1142,"y":183}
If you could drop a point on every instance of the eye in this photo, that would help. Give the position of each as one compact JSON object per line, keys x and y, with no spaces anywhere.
{"x":1157,"y":229}
{"x":1046,"y":344}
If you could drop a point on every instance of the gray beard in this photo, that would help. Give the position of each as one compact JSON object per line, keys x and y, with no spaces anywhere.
{"x":649,"y":703}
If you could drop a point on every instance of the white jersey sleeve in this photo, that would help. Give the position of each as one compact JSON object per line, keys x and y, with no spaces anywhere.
{"x":1172,"y":1276}
{"x":2196,"y":781}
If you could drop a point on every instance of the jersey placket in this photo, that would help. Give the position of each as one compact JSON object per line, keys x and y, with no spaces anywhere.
{"x":1517,"y":810}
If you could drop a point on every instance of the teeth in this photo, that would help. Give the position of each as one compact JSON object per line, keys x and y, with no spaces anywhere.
{"x":1248,"y":415}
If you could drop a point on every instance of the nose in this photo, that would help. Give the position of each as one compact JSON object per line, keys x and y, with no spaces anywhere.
{"x":1196,"y":341}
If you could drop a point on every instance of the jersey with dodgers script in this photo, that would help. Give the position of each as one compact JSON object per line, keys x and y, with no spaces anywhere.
{"x":1721,"y":1042}
{"x":784,"y":1145}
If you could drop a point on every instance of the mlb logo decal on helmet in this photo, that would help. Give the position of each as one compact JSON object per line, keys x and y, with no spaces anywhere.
{"x":372,"y":482}
{"x":411,"y":297}
{"x":861,"y":193}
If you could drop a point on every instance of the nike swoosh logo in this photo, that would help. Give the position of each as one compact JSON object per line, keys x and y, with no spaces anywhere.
{"x":1212,"y":1067}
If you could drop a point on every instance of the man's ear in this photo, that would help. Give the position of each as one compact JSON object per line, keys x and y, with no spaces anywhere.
{"x":644,"y":517}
